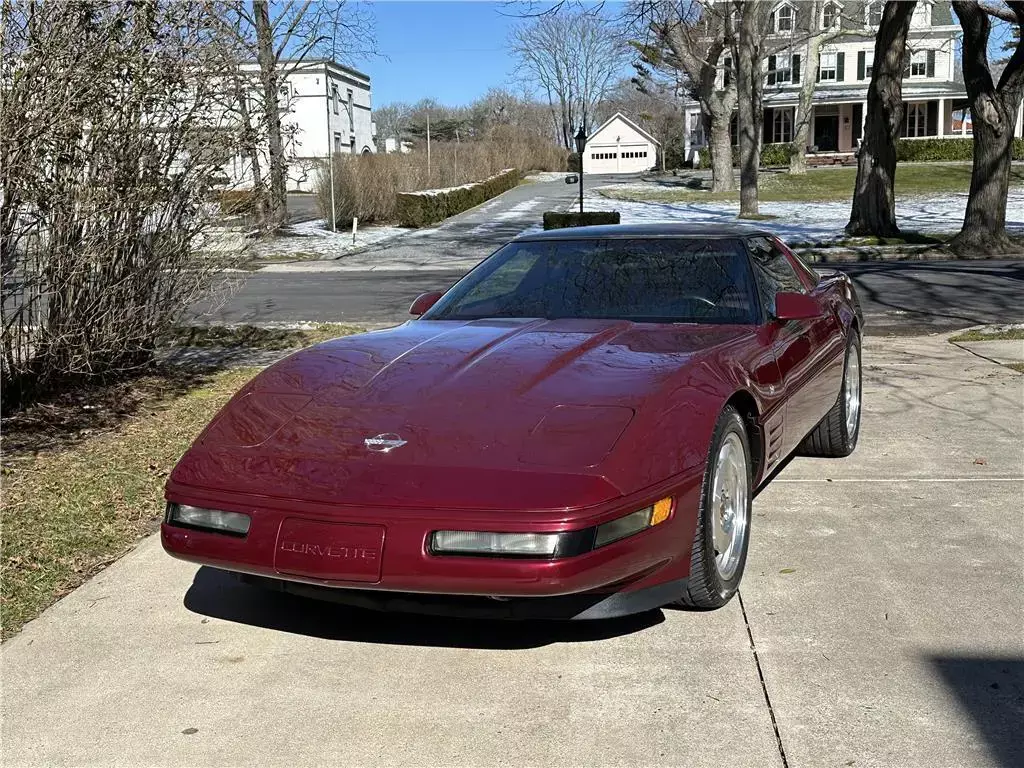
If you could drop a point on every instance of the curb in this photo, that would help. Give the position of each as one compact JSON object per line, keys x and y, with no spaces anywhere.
{"x":891,"y":253}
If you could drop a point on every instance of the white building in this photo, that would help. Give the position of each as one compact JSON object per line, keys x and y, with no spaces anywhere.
{"x":620,"y":146}
{"x":933,"y":91}
{"x":325,"y":107}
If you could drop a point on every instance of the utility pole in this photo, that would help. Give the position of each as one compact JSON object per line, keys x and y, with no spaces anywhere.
{"x":428,"y":149}
{"x":330,"y":147}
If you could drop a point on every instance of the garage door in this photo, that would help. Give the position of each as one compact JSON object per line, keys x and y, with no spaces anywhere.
{"x":621,"y":158}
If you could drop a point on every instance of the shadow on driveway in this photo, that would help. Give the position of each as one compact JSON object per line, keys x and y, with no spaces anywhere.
{"x":219,"y":595}
{"x":991,"y":690}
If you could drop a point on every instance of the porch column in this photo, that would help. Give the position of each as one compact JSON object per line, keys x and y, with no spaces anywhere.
{"x":686,"y":134}
{"x":863,"y":117}
{"x":942,"y":118}
{"x":1019,"y":132}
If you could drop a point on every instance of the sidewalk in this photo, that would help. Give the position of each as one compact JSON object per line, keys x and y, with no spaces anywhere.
{"x":882,"y":605}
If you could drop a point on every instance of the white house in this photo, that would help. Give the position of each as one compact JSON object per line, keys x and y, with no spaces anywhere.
{"x":325,"y":108}
{"x":620,"y":146}
{"x":933,"y":90}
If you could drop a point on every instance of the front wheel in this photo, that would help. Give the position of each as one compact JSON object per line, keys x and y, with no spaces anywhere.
{"x":719,"y":551}
{"x":836,"y":435}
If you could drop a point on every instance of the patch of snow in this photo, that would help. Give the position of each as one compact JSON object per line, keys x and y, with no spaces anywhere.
{"x":461,"y":186}
{"x":314,"y":238}
{"x":518,"y":211}
{"x":542,"y":176}
{"x":803,"y":222}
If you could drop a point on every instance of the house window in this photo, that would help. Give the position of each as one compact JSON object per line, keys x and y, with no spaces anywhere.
{"x":873,"y":14}
{"x":829,"y":67}
{"x":335,"y":98}
{"x":782,"y":126}
{"x":337,"y":143}
{"x":283,"y":94}
{"x":961,"y":122}
{"x":830,"y":16}
{"x":780,"y":69}
{"x":351,"y":116}
{"x":919,"y":64}
{"x":916,"y":121}
{"x":784,"y":19}
{"x":727,"y":72}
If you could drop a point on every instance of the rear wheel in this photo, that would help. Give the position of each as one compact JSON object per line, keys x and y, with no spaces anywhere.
{"x":836,"y":435}
{"x":720,"y":543}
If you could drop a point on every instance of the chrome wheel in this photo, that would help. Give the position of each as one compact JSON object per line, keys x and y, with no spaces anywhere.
{"x":729,"y":504}
{"x":852,"y":393}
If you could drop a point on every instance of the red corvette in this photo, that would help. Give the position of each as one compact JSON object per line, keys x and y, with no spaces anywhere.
{"x":574,"y":430}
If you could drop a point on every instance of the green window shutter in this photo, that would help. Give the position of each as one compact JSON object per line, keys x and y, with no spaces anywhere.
{"x":932,"y":124}
{"x":840,"y":57}
{"x":772,"y":76}
{"x":728,"y":72}
{"x":931,"y":64}
{"x":795,"y":60}
{"x":861,"y":57}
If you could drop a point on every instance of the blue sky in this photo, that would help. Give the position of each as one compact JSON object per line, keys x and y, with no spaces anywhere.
{"x":451,"y":51}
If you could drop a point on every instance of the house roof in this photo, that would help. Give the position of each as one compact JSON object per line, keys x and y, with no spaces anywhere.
{"x":628,"y":122}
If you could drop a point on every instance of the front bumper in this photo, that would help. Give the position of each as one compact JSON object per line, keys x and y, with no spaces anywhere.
{"x":655,"y":556}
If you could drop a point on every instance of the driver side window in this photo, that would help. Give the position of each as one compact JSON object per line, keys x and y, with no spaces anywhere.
{"x":772,"y":271}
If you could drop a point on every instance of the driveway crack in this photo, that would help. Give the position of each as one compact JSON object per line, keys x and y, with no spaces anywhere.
{"x":764,"y":688}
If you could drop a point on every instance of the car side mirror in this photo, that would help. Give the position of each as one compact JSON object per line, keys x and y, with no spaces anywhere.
{"x":424,"y":302}
{"x":795,"y":306}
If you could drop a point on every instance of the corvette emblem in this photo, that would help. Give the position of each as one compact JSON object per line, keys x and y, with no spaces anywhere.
{"x":384,"y":443}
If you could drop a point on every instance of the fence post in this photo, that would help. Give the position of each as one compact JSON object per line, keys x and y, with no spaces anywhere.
{"x":355,"y":225}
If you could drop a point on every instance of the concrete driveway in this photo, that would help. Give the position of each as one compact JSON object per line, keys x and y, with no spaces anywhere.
{"x":881,"y":624}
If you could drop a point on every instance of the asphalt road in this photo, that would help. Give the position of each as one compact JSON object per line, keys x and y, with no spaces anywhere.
{"x":898,"y":297}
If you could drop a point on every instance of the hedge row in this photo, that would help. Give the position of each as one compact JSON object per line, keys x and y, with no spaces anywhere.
{"x":771,"y":154}
{"x":929,"y":150}
{"x":556,"y":220}
{"x":907,"y":150}
{"x":419,"y":209}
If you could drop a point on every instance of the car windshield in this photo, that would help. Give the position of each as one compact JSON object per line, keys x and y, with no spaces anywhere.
{"x":654,"y":280}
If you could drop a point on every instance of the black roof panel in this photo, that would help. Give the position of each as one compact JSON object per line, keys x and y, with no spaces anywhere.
{"x":645,"y":230}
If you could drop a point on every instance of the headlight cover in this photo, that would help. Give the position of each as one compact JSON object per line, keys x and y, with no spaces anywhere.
{"x":208,"y":519}
{"x":548,"y":545}
{"x":487,"y":543}
{"x":634,"y":522}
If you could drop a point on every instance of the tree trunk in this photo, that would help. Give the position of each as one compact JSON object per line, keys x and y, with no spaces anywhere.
{"x":805,"y":104}
{"x":720,"y":147}
{"x":277,"y":201}
{"x":749,"y":125}
{"x":252,"y":151}
{"x":874,"y":206}
{"x":993,"y":114}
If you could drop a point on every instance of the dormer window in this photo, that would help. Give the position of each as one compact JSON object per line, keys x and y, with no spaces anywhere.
{"x":873,"y":14}
{"x":784,"y":19}
{"x":922,"y":15}
{"x":830,"y":16}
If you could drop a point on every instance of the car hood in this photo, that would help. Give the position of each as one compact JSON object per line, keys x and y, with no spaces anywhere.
{"x":490,"y":414}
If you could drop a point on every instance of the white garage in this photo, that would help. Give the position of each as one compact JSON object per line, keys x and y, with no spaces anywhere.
{"x":620,"y":146}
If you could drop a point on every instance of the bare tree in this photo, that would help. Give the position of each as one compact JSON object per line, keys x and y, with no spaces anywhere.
{"x":994,"y":108}
{"x":392,"y":121}
{"x":111,"y":141}
{"x":690,"y":38}
{"x":874,"y":207}
{"x":574,"y":57}
{"x":818,"y":34}
{"x":280,"y":37}
{"x":749,"y":47}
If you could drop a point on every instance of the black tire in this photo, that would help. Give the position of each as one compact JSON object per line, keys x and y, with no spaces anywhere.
{"x":706,"y":588}
{"x":832,"y":438}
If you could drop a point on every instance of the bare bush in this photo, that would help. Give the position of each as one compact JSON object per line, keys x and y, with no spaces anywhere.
{"x":365,"y":186}
{"x":107,"y":157}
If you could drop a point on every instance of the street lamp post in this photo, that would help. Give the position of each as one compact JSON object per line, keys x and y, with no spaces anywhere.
{"x":581,"y":144}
